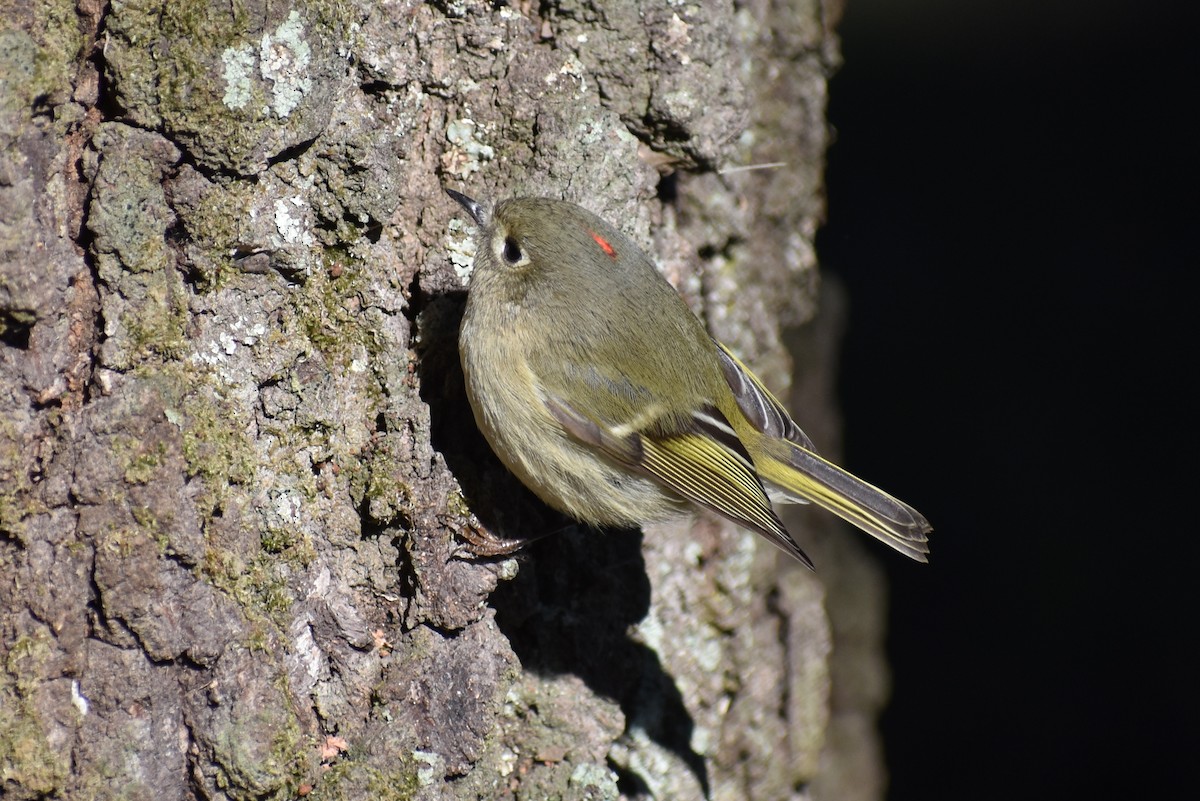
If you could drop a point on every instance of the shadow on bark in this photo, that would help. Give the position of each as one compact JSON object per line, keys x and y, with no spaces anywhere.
{"x":569,"y":610}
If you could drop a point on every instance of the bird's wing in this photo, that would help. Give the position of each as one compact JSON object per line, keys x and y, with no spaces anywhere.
{"x":699,"y":457}
{"x":762,"y":409}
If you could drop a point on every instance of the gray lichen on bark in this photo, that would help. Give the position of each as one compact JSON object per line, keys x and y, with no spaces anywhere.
{"x":236,"y":465}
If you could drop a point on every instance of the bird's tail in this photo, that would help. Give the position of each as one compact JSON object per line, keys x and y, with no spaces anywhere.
{"x":799,"y":475}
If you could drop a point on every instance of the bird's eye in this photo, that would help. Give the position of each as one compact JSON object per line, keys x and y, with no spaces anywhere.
{"x":512,"y":251}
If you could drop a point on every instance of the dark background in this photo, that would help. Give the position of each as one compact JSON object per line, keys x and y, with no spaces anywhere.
{"x":1013,"y":208}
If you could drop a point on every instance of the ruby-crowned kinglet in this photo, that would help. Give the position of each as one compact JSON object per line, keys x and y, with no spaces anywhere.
{"x":596,"y":385}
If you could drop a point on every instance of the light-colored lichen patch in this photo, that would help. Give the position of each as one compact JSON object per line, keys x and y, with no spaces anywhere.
{"x":239,"y":68}
{"x":285,"y":57}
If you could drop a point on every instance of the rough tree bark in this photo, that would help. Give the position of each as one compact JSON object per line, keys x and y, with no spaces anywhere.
{"x":236,"y":464}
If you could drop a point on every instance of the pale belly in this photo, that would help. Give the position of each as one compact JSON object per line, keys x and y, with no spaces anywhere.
{"x":568,"y":475}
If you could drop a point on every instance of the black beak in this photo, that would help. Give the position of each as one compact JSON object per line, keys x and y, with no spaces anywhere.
{"x":474,"y":207}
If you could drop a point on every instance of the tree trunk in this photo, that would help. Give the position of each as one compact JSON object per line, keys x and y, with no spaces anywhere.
{"x":237,"y":468}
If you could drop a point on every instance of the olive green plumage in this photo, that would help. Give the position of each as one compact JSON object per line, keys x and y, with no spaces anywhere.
{"x":596,"y":385}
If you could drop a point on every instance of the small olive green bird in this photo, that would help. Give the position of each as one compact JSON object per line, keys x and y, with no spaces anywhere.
{"x":596,"y":385}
